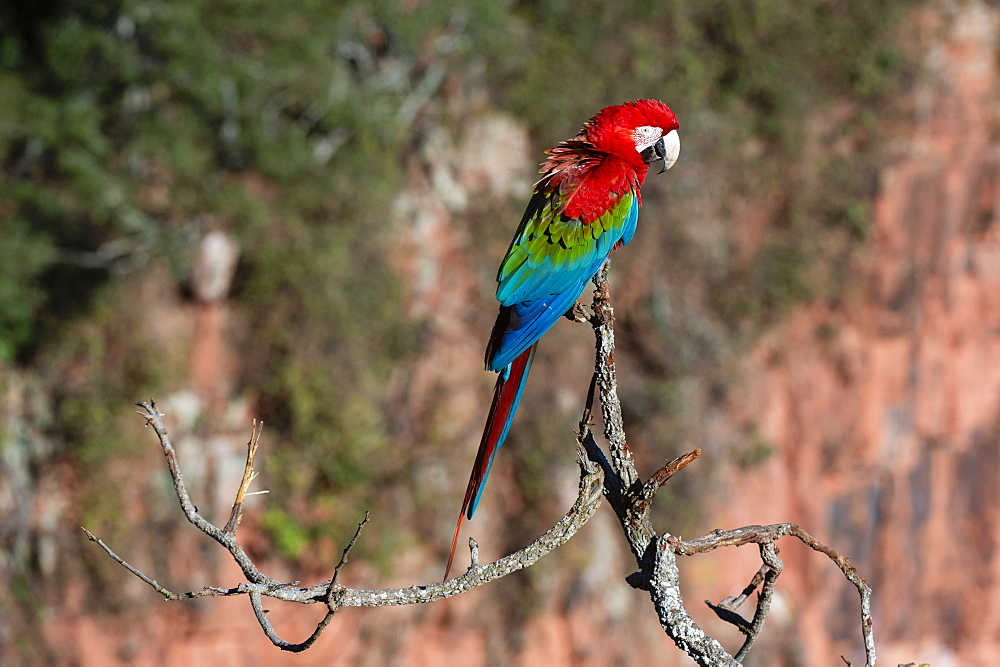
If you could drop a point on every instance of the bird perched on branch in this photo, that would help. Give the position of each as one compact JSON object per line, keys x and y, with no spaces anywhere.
{"x":584,"y":206}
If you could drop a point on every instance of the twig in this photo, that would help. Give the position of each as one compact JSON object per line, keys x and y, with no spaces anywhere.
{"x":207,"y":591}
{"x":587,"y":420}
{"x":726,"y":610}
{"x":774,"y":565}
{"x":167,"y":594}
{"x":733,"y":603}
{"x":662,"y":476}
{"x":347,"y":549}
{"x":236,"y":515}
{"x":473,"y":553}
{"x":671,"y":468}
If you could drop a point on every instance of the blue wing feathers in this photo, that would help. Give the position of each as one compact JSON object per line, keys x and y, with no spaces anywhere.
{"x":529,"y":320}
{"x":539,"y":287}
{"x":630,"y":222}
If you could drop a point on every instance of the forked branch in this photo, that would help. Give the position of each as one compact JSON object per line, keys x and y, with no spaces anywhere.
{"x":613,"y":476}
{"x":656,"y":555}
{"x":331,"y":592}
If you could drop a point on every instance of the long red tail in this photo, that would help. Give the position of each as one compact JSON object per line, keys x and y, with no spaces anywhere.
{"x":506,"y":396}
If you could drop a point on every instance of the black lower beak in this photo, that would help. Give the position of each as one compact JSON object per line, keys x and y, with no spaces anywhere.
{"x":656,"y":152}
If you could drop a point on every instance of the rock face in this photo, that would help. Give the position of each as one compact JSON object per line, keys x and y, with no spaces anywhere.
{"x":882,"y":412}
{"x":886,"y":410}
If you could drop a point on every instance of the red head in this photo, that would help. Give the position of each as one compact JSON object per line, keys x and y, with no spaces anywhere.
{"x":610,"y":156}
{"x":636,"y":132}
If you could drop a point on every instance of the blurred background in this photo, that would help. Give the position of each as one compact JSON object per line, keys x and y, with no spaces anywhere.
{"x":295,"y":212}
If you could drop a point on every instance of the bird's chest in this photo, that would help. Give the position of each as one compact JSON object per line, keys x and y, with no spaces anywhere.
{"x":594,"y":199}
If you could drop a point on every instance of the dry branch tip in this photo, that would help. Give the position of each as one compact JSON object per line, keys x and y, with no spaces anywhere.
{"x":236,"y":514}
{"x":473,"y":553}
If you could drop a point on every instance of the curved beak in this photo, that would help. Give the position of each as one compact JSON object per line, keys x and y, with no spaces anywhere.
{"x":666,"y":148}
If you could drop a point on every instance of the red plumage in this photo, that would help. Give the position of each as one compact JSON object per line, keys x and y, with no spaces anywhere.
{"x":602,"y":159}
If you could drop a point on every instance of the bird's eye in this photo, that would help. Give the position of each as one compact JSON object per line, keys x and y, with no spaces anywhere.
{"x":645,"y":136}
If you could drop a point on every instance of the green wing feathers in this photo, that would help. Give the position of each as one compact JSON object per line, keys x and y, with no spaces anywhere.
{"x":552,"y":253}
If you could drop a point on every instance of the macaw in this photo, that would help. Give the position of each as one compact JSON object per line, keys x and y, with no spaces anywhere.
{"x":584,"y":206}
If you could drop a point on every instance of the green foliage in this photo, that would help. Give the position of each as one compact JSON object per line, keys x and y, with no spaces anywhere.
{"x":23,"y":256}
{"x":757,"y":64}
{"x":290,"y":536}
{"x":133,"y":127}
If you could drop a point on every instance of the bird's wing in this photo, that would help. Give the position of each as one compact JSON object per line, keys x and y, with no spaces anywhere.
{"x":547,"y":266}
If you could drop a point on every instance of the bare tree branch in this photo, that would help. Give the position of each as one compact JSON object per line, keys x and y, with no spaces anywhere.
{"x":658,"y":571}
{"x":331,"y":592}
{"x":656,"y":555}
{"x":607,"y":381}
{"x":154,"y":419}
{"x":265,"y":624}
{"x":766,"y":575}
{"x":613,"y":476}
{"x":769,"y":534}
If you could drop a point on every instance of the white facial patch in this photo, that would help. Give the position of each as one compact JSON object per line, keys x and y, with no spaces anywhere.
{"x":671,"y":148}
{"x":645,"y":136}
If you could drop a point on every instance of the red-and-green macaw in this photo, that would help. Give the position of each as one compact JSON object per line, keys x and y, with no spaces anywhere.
{"x":584,"y":206}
